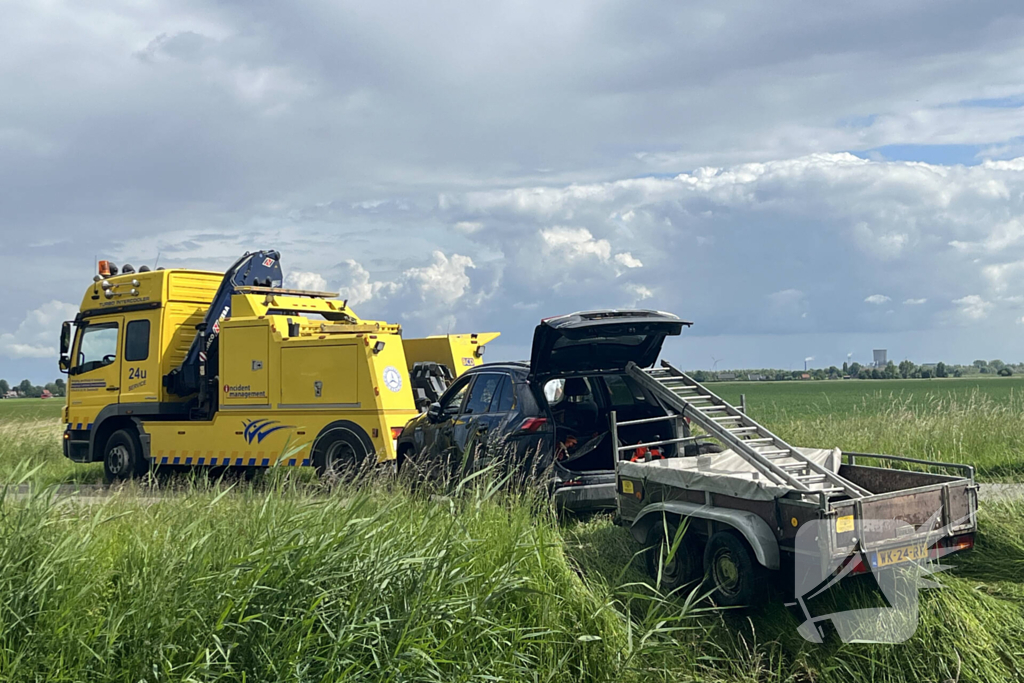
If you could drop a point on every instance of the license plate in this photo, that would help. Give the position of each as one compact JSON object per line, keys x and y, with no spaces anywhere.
{"x":907,"y":553}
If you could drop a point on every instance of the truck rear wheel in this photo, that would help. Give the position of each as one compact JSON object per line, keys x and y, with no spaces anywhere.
{"x":732,"y":570}
{"x":678,"y":570}
{"x":123,"y":458}
{"x":339,"y":456}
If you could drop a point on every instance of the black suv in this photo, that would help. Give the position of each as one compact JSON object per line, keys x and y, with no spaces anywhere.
{"x":553,"y":411}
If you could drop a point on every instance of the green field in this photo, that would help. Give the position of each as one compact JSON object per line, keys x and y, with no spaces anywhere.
{"x":803,"y":399}
{"x":283,"y":580}
{"x":23,"y":408}
{"x":971,"y":421}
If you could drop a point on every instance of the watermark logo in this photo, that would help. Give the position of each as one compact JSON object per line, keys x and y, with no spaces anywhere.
{"x":894,"y":560}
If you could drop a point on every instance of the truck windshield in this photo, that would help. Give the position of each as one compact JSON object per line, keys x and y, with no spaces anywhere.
{"x":97,"y":348}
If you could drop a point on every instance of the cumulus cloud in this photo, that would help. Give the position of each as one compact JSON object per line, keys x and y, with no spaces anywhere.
{"x":444,"y":280}
{"x":358,"y":287}
{"x":877,"y":299}
{"x":973,"y":307}
{"x":574,"y":244}
{"x":37,"y":334}
{"x":303,"y":280}
{"x":914,"y":302}
{"x":628,"y":260}
{"x":638,"y":293}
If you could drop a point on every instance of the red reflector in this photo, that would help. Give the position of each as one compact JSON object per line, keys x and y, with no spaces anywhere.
{"x":962,"y":542}
{"x":532,"y":424}
{"x":859,"y":566}
{"x":395,"y":431}
{"x":571,"y":482}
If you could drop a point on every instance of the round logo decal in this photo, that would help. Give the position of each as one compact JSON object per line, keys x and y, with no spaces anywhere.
{"x":392,"y":378}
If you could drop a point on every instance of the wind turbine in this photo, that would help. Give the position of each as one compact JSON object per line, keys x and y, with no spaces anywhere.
{"x":714,"y":366}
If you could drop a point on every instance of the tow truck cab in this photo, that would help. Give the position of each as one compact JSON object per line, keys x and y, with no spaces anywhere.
{"x":295,"y":378}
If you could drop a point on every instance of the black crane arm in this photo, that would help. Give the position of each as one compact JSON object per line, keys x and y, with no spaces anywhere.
{"x":258,"y":269}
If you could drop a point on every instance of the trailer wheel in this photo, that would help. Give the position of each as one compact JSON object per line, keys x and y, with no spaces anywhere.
{"x":122,"y":457}
{"x":339,"y":456}
{"x":681,"y":568}
{"x":732,"y":570}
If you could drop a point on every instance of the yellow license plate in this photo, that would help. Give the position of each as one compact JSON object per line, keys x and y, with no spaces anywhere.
{"x":907,"y":553}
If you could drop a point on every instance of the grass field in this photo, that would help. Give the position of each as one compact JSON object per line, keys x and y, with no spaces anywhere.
{"x":972,"y":421}
{"x":286,"y":581}
{"x":281,"y":584}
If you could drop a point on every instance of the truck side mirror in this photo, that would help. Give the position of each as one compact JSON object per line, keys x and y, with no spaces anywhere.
{"x":65,"y":338}
{"x":65,"y":346}
{"x":434,"y":413}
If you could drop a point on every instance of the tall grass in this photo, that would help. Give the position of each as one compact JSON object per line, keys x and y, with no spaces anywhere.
{"x":970,"y":629}
{"x":279,"y":584}
{"x":377,"y":584}
{"x":35,"y":444}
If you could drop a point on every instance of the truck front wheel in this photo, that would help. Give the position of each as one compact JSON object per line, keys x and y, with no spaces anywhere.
{"x":122,"y":457}
{"x":732,"y":570}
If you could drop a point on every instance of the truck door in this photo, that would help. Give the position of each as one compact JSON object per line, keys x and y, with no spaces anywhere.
{"x":140,"y":364}
{"x":94,"y":378}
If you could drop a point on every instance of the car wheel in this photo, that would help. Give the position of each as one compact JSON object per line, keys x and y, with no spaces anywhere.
{"x":678,"y":570}
{"x":732,"y":570}
{"x":122,"y":457}
{"x":339,"y":456}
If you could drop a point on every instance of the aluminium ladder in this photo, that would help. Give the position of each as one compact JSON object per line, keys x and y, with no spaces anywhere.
{"x":775,"y":459}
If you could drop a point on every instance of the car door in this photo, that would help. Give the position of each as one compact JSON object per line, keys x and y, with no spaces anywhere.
{"x":471,"y":432}
{"x":469,"y":428}
{"x":95,"y":373}
{"x":492,"y":427}
{"x":440,"y":439}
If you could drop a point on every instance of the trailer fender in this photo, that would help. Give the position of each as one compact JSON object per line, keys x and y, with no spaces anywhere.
{"x":754,"y":529}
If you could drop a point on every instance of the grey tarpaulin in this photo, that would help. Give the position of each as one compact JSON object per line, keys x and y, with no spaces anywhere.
{"x":724,"y":472}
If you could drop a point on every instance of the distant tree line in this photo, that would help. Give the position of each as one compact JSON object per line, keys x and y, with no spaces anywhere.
{"x":28,"y":390}
{"x":905,"y":370}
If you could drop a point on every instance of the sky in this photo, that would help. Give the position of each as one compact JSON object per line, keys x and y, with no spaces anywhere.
{"x":801,"y":180}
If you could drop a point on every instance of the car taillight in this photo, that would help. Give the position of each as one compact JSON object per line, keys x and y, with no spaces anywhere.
{"x":395,"y":432}
{"x":569,"y":482}
{"x":532,"y":424}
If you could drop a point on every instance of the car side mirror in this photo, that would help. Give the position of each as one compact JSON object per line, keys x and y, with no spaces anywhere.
{"x":434,"y":412}
{"x":65,"y":338}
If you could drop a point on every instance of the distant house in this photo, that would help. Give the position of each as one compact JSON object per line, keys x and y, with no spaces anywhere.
{"x":805,"y":375}
{"x":755,"y":377}
{"x":12,"y":394}
{"x":726,"y":376}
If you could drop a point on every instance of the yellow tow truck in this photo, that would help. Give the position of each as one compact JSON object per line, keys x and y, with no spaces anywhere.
{"x":190,"y":368}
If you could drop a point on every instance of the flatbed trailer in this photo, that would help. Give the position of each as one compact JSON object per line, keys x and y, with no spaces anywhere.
{"x":748,"y":501}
